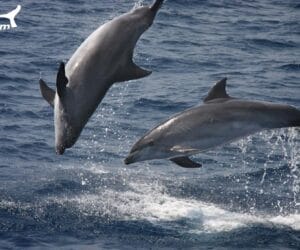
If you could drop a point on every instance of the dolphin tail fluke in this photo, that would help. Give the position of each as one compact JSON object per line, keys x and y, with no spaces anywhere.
{"x":47,"y":93}
{"x":185,"y":162}
{"x":156,"y":5}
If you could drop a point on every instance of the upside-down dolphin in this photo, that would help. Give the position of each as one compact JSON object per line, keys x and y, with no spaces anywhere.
{"x":221,"y":119}
{"x":104,"y":58}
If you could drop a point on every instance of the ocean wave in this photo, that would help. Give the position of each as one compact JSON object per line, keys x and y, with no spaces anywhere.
{"x":159,"y":104}
{"x":291,"y":67}
{"x":271,"y":43}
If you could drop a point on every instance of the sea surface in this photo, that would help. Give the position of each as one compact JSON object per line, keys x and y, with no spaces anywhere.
{"x":246,"y":195}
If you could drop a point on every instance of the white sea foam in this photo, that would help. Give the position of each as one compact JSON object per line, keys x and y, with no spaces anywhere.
{"x":152,"y":203}
{"x":292,"y":221}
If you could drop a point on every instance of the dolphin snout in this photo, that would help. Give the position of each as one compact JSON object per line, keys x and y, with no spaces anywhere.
{"x":133,"y":157}
{"x":60,"y":150}
{"x":129,"y":159}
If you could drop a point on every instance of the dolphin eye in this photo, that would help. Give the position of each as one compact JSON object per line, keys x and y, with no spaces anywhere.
{"x":151,"y":143}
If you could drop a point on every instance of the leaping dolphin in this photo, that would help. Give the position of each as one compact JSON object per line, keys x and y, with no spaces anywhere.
{"x":221,"y":119}
{"x":104,"y":58}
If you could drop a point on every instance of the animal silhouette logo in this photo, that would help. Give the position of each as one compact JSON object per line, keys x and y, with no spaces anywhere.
{"x":11,"y":17}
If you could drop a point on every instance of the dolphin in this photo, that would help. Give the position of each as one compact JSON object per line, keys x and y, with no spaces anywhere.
{"x":104,"y":58}
{"x":12,"y":15}
{"x":221,"y":119}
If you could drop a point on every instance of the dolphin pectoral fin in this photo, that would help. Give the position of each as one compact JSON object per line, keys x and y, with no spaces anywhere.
{"x":61,"y":80}
{"x":47,"y":93}
{"x":217,"y":91}
{"x":135,"y":72}
{"x":186,"y":162}
{"x":132,"y":72}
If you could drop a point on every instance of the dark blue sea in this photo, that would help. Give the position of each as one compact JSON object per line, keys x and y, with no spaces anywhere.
{"x":246,"y":195}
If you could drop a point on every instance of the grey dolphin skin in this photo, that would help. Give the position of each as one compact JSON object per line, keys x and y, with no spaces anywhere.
{"x":104,"y":58}
{"x":221,"y":119}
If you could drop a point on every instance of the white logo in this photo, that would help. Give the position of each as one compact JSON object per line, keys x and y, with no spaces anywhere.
{"x":11,"y":17}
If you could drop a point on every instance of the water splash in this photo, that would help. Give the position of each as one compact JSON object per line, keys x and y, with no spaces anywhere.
{"x":273,"y":142}
{"x":294,"y":163}
{"x":138,"y":4}
{"x":151,"y":202}
{"x":272,"y":150}
{"x":290,"y":149}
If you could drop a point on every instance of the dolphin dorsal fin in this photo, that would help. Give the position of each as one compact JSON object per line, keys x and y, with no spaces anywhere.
{"x":61,"y":80}
{"x":47,"y":93}
{"x":217,"y":91}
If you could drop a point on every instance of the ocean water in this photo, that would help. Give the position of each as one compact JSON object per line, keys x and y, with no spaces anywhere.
{"x":246,"y":196}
